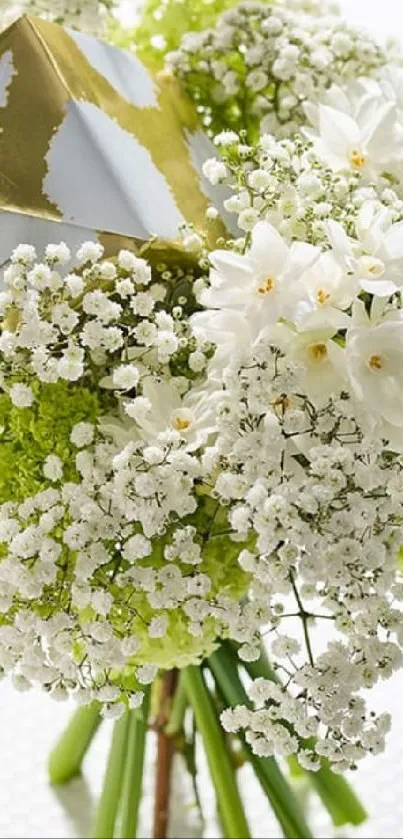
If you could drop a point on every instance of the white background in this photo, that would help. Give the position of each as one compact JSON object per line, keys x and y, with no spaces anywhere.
{"x":30,"y":723}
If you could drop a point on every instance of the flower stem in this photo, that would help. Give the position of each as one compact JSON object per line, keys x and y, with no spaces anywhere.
{"x":105,"y":817}
{"x":338,"y":797}
{"x":278,"y":791}
{"x":222,"y":773}
{"x":165,"y":754}
{"x":65,"y":759}
{"x":134,"y":769}
{"x":180,"y":703}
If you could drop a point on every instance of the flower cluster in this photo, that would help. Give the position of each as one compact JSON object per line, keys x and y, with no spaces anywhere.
{"x":81,"y":14}
{"x":108,"y":539}
{"x":287,"y":183}
{"x":214,"y":447}
{"x":307,"y":462}
{"x":261,"y":62}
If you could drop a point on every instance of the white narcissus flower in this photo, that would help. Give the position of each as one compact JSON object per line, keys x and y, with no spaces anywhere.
{"x":192,"y":416}
{"x":229,"y":331}
{"x":368,"y":143}
{"x":374,"y":355}
{"x":322,"y":357}
{"x":376,"y":256}
{"x":256,"y":285}
{"x":321,"y":296}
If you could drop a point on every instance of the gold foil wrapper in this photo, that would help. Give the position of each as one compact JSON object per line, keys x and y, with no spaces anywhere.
{"x":93,"y":146}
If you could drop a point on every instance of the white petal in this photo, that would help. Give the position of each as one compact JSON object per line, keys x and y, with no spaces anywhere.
{"x":338,"y":131}
{"x":268,"y":248}
{"x":393,"y":241}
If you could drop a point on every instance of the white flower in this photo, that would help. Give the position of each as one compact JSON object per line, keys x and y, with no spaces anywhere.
{"x":226,"y":138}
{"x":192,"y":242}
{"x":368,"y":143}
{"x":228,"y":330}
{"x":75,"y":284}
{"x":374,"y":355}
{"x":58,"y":254}
{"x":323,"y":359}
{"x":126,"y":377}
{"x":321,"y":296}
{"x":107,"y":270}
{"x":167,"y":343}
{"x":53,"y":468}
{"x":192,"y":416}
{"x":136,"y":548}
{"x":82,"y":434}
{"x":21,"y":395}
{"x":256,"y":285}
{"x":71,"y":364}
{"x":376,"y":256}
{"x":136,"y":699}
{"x":197,"y":361}
{"x":23,"y":255}
{"x":214,"y":170}
{"x":260,"y":179}
{"x":90,"y":252}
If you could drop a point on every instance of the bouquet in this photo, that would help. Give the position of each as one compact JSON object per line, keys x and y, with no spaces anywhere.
{"x":201,"y":452}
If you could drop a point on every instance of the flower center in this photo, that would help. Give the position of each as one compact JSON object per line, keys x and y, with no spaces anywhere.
{"x":265,"y":287}
{"x":180,"y":424}
{"x":182,"y":420}
{"x":317,"y":352}
{"x":376,"y":362}
{"x":358,"y":158}
{"x":372,"y":266}
{"x":322,"y":296}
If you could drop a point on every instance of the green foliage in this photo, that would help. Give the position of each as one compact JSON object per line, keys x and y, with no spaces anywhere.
{"x":170,"y":19}
{"x":29,"y":435}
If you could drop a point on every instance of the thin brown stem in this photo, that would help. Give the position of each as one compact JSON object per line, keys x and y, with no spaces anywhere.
{"x":165,"y":753}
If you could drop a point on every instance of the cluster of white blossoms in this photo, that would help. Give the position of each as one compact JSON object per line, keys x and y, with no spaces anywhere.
{"x":261,"y":62}
{"x":308,"y":461}
{"x":87,"y":15}
{"x":109,"y":541}
{"x":192,"y":453}
{"x":287,"y":183}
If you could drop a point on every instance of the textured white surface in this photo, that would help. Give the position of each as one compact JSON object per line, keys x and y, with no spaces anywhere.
{"x":30,"y":723}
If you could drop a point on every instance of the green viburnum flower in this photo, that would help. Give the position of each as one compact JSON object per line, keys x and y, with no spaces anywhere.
{"x":30,"y":435}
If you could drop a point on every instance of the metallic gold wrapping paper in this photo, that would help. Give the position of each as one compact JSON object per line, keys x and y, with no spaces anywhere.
{"x":92,"y":145}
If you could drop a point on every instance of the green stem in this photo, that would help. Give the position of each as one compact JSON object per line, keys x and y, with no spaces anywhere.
{"x":230,"y":804}
{"x":180,"y":703}
{"x":134,"y":769}
{"x":334,"y":791}
{"x":105,"y":817}
{"x":338,"y":797}
{"x":65,"y":759}
{"x":283,"y":801}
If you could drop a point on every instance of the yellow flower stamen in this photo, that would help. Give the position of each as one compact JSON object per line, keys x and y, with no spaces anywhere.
{"x":180,"y":424}
{"x":358,"y":158}
{"x":317,"y":352}
{"x":266,"y":286}
{"x":376,"y":362}
{"x":322,"y":296}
